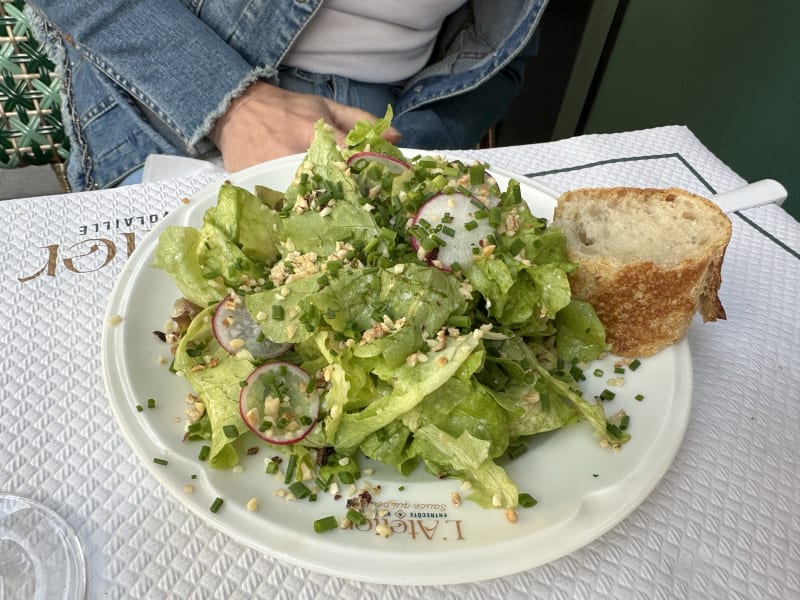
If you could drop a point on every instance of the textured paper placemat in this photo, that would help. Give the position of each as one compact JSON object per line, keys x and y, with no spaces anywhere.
{"x":722,"y":524}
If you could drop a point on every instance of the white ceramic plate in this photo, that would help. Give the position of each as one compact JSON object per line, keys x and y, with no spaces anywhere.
{"x":582,"y":489}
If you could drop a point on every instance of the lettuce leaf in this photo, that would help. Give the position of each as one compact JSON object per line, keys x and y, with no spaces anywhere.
{"x":217,"y":386}
{"x":366,"y":135}
{"x":410,"y":385}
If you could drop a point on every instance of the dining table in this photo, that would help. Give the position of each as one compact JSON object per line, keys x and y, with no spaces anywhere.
{"x":721,"y":522}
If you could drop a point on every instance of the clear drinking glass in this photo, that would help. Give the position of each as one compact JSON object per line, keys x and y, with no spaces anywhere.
{"x":40,"y":555}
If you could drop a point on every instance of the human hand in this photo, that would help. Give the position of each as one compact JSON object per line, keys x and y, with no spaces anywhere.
{"x":267,"y":122}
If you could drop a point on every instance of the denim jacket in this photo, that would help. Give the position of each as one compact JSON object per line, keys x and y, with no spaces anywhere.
{"x":151,"y":76}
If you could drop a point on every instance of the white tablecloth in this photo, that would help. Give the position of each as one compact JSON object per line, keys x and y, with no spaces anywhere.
{"x":723,"y":523}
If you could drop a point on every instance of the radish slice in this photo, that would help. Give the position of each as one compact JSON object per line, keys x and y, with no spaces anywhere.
{"x":236,"y":330}
{"x":394,"y":165}
{"x":451,"y":220}
{"x":276,"y":405}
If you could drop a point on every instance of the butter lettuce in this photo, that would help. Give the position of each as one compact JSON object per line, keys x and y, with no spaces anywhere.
{"x":415,"y":365}
{"x":217,"y":388}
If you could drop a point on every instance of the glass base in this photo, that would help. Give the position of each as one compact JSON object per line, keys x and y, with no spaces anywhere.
{"x":40,"y":555}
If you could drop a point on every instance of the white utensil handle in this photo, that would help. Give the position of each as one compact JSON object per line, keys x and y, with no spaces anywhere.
{"x":758,"y":193}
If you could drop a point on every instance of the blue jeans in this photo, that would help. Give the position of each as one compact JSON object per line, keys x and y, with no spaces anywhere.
{"x":420,"y":128}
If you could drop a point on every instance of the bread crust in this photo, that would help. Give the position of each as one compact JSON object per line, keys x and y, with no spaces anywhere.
{"x":646,"y":306}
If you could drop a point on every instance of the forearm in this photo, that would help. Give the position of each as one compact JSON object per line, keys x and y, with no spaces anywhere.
{"x":161,"y":53}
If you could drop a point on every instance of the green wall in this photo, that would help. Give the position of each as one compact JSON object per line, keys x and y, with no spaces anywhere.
{"x":728,"y":69}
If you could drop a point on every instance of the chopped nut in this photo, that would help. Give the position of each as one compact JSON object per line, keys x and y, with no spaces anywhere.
{"x":455,"y":498}
{"x":252,"y":504}
{"x":383,"y":530}
{"x":488,"y":250}
{"x":188,"y":488}
{"x":512,"y":223}
{"x":511,"y":515}
{"x":114,"y":320}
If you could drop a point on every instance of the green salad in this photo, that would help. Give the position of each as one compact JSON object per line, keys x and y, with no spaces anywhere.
{"x":402,"y":309}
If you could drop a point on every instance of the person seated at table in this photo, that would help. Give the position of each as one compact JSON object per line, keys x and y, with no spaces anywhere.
{"x":248,"y":79}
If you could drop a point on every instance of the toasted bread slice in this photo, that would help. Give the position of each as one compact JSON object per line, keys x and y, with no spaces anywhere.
{"x":648,"y":259}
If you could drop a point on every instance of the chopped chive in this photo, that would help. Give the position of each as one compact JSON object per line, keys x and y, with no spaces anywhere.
{"x":151,"y":403}
{"x":216,"y":505}
{"x":517,"y":247}
{"x":194,"y":476}
{"x":517,"y":450}
{"x":372,"y":244}
{"x":438,"y":241}
{"x":613,"y":430}
{"x":598,"y":372}
{"x":300,"y":490}
{"x":277,"y":312}
{"x":448,"y":231}
{"x":607,"y":395}
{"x":204,"y":452}
{"x":289,"y":475}
{"x":470,"y":225}
{"x":481,"y":214}
{"x":460,"y":321}
{"x":427,"y":244}
{"x":356,"y":517}
{"x":346,"y":477}
{"x":577,"y":373}
{"x":526,"y":500}
{"x":312,"y":497}
{"x":624,"y":422}
{"x":619,"y":370}
{"x":494,"y":216}
{"x":476,"y":174}
{"x":322,"y":483}
{"x":635,"y":364}
{"x":160,"y":461}
{"x":139,"y":407}
{"x":230,"y":431}
{"x":639,"y":397}
{"x":272,"y":467}
{"x":265,"y":426}
{"x":325,"y":524}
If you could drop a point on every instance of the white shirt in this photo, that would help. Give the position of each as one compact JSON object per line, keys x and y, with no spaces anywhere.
{"x":378,"y":41}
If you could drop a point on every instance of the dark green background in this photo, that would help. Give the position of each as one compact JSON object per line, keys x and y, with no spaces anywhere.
{"x":728,"y":69}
